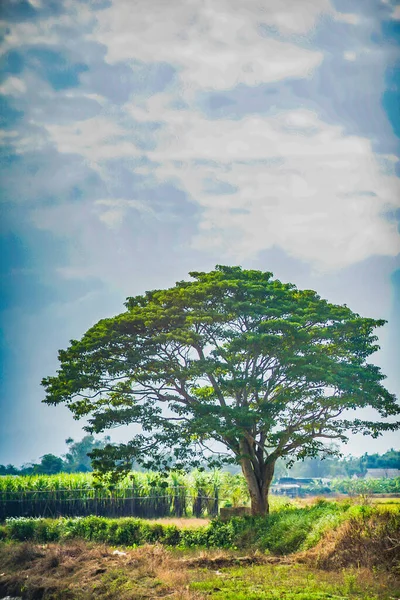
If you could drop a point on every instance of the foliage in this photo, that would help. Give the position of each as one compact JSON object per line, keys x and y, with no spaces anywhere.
{"x":388,"y":460}
{"x":77,"y":459}
{"x":231,"y":488}
{"x":359,"y":465}
{"x":360,"y":486}
{"x":317,"y":468}
{"x":286,"y":530}
{"x":142,"y":494}
{"x":144,"y":483}
{"x":233,"y":356}
{"x":179,"y":494}
{"x":49,"y":465}
{"x":9,"y":470}
{"x":331,"y":467}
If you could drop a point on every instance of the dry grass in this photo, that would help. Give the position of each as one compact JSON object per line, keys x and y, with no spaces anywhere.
{"x":181,"y":522}
{"x":80,"y":570}
{"x":83,"y":571}
{"x":359,"y":543}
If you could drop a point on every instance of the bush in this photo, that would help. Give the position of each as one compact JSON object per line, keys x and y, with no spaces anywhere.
{"x":22,"y":529}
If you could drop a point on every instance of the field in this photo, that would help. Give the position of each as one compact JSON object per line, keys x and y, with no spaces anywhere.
{"x":306,"y":549}
{"x":327,"y":550}
{"x":149,"y":495}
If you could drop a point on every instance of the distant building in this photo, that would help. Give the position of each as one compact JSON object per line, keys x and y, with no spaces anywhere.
{"x":286,"y":489}
{"x":293,"y":486}
{"x":382,"y":473}
{"x":300,"y":481}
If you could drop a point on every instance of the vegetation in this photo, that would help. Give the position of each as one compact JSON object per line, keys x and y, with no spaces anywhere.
{"x":288,"y":529}
{"x":329,"y":550}
{"x":233,"y":356}
{"x":356,"y":487}
{"x":334,"y":467}
{"x":151,"y":495}
{"x":77,"y":460}
{"x":82,"y":571}
{"x":293,"y":582}
{"x":141,"y":494}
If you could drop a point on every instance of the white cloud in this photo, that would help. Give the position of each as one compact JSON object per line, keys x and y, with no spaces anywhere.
{"x":302,"y":185}
{"x":6,"y":135}
{"x":47,"y":31}
{"x":97,"y":139}
{"x":213,"y":44}
{"x":348,"y":18}
{"x":116,"y":210}
{"x":297,"y":182}
{"x":294,"y":17}
{"x":112,"y":218}
{"x":13,"y":86}
{"x":351,"y":56}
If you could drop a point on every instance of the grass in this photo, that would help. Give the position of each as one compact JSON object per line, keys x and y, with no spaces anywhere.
{"x":82,"y":571}
{"x":328,"y":550}
{"x":386,"y":500}
{"x":293,"y":582}
{"x":287,"y":529}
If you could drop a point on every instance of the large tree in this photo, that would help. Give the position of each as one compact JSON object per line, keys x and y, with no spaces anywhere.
{"x":232,"y":362}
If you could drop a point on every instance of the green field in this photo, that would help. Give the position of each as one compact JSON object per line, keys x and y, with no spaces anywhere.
{"x":146,"y":495}
{"x":231,"y":489}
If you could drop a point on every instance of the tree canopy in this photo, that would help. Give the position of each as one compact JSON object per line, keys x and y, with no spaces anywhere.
{"x":233,"y":363}
{"x":77,"y":459}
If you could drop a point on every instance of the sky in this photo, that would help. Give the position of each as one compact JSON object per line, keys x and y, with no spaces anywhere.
{"x":143,"y":139}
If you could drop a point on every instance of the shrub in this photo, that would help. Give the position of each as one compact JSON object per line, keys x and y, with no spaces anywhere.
{"x":22,"y":529}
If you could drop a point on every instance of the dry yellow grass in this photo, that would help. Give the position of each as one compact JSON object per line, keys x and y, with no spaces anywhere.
{"x":370,"y":543}
{"x":182,"y":522}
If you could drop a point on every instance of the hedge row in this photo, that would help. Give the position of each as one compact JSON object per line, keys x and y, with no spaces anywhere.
{"x":282,"y":532}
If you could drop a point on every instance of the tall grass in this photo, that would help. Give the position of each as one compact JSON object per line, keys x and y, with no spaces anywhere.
{"x":141,"y":494}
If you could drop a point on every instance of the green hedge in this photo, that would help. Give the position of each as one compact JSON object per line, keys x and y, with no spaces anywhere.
{"x":284,"y":531}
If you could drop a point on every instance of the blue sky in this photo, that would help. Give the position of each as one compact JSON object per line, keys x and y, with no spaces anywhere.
{"x":141,"y":140}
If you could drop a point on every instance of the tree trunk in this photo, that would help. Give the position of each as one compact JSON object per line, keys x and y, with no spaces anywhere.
{"x":259,"y":480}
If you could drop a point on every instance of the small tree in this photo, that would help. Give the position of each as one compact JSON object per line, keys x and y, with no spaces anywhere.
{"x":233,"y":357}
{"x":49,"y":465}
